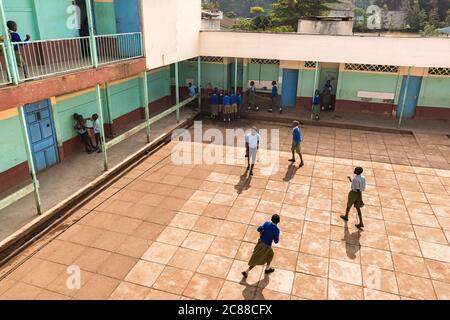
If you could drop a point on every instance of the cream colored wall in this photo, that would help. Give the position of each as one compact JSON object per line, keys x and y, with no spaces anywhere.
{"x":171,"y":30}
{"x":417,"y":52}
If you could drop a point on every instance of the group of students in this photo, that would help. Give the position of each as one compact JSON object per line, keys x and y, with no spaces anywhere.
{"x":225,"y":105}
{"x":83,"y":129}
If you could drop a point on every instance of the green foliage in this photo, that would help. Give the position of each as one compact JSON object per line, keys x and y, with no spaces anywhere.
{"x":429,"y":31}
{"x":257,"y":10}
{"x":231,"y":14}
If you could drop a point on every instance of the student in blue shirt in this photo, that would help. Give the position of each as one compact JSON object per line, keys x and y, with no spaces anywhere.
{"x":234,"y":105}
{"x":263,"y":252}
{"x":274,"y":97}
{"x":226,"y":108}
{"x":214,"y":100}
{"x":239,"y":104}
{"x":296,"y":142}
{"x":221,"y":95}
{"x":15,"y":37}
{"x":192,"y":90}
{"x":316,"y":105}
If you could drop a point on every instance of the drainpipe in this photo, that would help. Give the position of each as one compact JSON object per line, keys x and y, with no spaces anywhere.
{"x":11,"y":64}
{"x":93,"y":43}
{"x":199,"y":81}
{"x":102,"y":129}
{"x":32,"y":169}
{"x":177,"y":91}
{"x":145,"y":98}
{"x":404,"y":97}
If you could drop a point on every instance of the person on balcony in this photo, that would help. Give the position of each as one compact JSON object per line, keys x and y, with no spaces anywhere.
{"x":15,"y":37}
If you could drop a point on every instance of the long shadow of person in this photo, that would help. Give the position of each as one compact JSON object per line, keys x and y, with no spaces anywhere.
{"x":352,"y":244}
{"x":290,"y":172}
{"x":254,"y":291}
{"x":244,"y":183}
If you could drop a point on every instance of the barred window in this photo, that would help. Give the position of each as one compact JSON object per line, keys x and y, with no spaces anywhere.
{"x":371,"y":68}
{"x":265,"y":61}
{"x":439,"y":71}
{"x":310,"y":64}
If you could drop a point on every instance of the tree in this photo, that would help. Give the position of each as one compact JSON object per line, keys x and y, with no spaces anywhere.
{"x":231,"y":14}
{"x":288,"y":12}
{"x":360,"y":22}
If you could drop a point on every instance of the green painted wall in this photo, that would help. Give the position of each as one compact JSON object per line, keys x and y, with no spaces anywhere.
{"x":12,"y":148}
{"x":158,"y":84}
{"x":52,"y":19}
{"x":352,"y":82}
{"x":23,"y":12}
{"x":214,"y":75}
{"x":263,"y":72}
{"x":305,"y":85}
{"x":125,"y":97}
{"x":435,"y":92}
{"x":326,"y":73}
{"x":105,"y":18}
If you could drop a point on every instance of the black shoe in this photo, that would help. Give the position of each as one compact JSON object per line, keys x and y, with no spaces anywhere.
{"x":271,"y":270}
{"x":291,"y":160}
{"x":251,"y":173}
{"x":270,"y":110}
{"x":359,"y":226}
{"x":301,"y":164}
{"x":345,"y":218}
{"x":244,"y":274}
{"x":248,"y":168}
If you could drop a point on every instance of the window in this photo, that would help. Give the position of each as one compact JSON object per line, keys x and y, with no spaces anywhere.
{"x":439,"y":71}
{"x":371,"y":68}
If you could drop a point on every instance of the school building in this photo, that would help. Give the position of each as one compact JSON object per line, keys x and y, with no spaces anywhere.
{"x":126,"y":59}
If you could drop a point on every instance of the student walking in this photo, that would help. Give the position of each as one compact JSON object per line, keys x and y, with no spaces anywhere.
{"x":252,"y":145}
{"x":316,"y":105}
{"x":263,"y":252}
{"x":274,"y":97}
{"x":296,"y":142}
{"x":355,"y":196}
{"x":252,"y":97}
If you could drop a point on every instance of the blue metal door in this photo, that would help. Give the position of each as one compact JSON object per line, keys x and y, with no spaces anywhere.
{"x":412,"y":94}
{"x":128,"y":20}
{"x":289,"y":88}
{"x":41,"y":134}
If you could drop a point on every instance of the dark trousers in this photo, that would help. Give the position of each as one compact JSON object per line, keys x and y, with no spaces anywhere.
{"x":86,"y":141}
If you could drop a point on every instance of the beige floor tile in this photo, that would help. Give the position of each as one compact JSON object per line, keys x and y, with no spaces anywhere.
{"x":21,"y":291}
{"x":129,"y":291}
{"x":160,"y":253}
{"x":144,"y":273}
{"x":435,"y":251}
{"x":370,"y":294}
{"x":232,"y":230}
{"x":186,"y":259}
{"x":310,"y":287}
{"x":173,"y":236}
{"x":345,"y":272}
{"x":235,"y":273}
{"x":430,"y":235}
{"x":133,"y":247}
{"x":376,"y":257}
{"x":215,"y":266}
{"x":198,"y":241}
{"x":203,"y":287}
{"x":442,"y":290}
{"x":236,"y":291}
{"x":279,"y":281}
{"x":405,"y":246}
{"x":98,"y":287}
{"x":344,"y":291}
{"x":400,"y":230}
{"x":415,"y":287}
{"x":315,"y":246}
{"x":379,"y":279}
{"x":117,"y":266}
{"x":173,"y":280}
{"x":91,"y":259}
{"x":410,"y":265}
{"x":342,"y":250}
{"x":224,"y":247}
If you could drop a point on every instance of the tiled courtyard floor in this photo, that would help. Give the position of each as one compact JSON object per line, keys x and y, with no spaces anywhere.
{"x":167,"y":231}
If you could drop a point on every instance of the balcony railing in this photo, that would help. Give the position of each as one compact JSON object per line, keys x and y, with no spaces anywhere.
{"x":45,"y":58}
{"x":119,"y":47}
{"x":5,"y":77}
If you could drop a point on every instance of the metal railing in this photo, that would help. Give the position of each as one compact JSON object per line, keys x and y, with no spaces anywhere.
{"x":118,"y":47}
{"x":42,"y":58}
{"x":5,"y":76}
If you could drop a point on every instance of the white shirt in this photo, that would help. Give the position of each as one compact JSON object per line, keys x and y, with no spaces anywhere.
{"x":96,"y":126}
{"x":252,"y":140}
{"x":359,"y":183}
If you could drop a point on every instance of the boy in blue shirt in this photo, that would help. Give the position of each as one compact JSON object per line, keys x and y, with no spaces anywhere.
{"x":263,"y":252}
{"x":15,"y":37}
{"x":226,"y":108}
{"x":296,"y":142}
{"x":274,"y":97}
{"x":221,"y":95}
{"x":316,"y":105}
{"x":234,"y":105}
{"x":214,"y":104}
{"x":239,"y":104}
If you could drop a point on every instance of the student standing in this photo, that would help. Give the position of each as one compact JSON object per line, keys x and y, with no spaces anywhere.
{"x":81,"y":129}
{"x":239,"y":104}
{"x":274,"y":97}
{"x":192,"y":93}
{"x":226,"y":108}
{"x":15,"y":37}
{"x":263,"y":252}
{"x":221,"y":95}
{"x":233,"y":105}
{"x":296,"y":142}
{"x":355,"y":196}
{"x":316,"y":105}
{"x":96,"y":128}
{"x":214,"y":104}
{"x":252,"y":97}
{"x":252,"y":145}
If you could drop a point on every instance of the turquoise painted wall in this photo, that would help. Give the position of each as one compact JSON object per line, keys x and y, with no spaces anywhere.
{"x":105,"y":17}
{"x":23,"y":12}
{"x":214,"y":75}
{"x":352,"y":82}
{"x":305,"y":86}
{"x":12,"y":146}
{"x":52,"y":19}
{"x":263,"y":72}
{"x":125,"y":97}
{"x":435,"y":92}
{"x":158,"y":84}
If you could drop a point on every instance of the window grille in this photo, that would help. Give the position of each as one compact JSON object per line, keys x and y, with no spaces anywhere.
{"x":371,"y":68}
{"x":439,"y":71}
{"x":310,"y":64}
{"x":265,"y":61}
{"x":209,"y":59}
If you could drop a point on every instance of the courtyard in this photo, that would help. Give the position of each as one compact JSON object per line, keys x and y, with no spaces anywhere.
{"x":166,"y":231}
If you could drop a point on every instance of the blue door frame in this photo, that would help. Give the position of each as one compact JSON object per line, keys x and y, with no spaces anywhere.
{"x":289,"y":88}
{"x":412,"y":95}
{"x":41,"y":132}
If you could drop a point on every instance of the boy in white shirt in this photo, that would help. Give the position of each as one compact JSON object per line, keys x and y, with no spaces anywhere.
{"x":96,"y":128}
{"x":252,"y":145}
{"x":355,"y":196}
